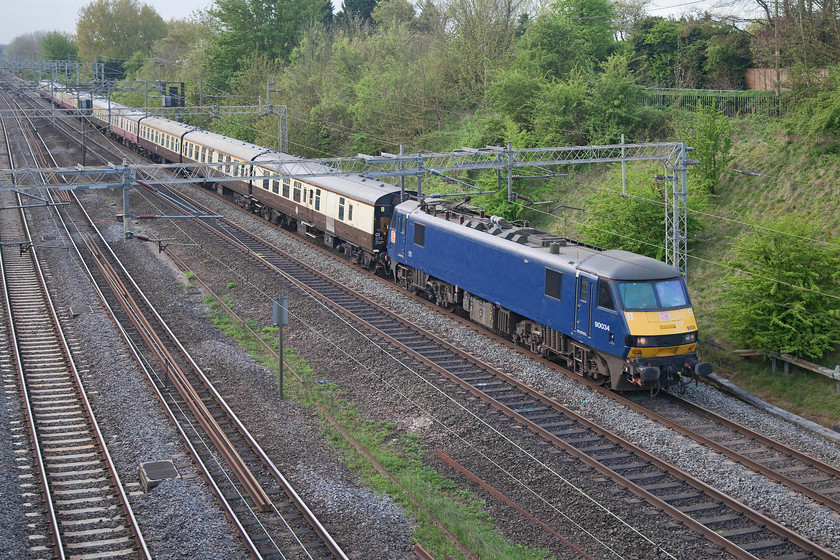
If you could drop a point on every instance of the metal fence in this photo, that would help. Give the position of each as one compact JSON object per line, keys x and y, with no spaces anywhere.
{"x":733,"y":103}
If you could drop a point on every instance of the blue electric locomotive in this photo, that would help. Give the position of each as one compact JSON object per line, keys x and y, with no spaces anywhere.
{"x":621,"y":319}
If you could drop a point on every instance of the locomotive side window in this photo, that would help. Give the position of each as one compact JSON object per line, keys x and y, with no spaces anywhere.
{"x":605,"y":298}
{"x":553,"y":283}
{"x":419,"y":234}
{"x":584,"y":290}
{"x":286,"y":188}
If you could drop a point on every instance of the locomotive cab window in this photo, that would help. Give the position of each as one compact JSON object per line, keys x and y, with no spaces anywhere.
{"x":419,"y":234}
{"x":605,"y":298}
{"x":660,"y":294}
{"x":553,"y":283}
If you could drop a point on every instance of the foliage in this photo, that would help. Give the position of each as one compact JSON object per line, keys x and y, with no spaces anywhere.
{"x":560,"y":112}
{"x":358,"y":10}
{"x":116,"y":29}
{"x":394,"y":13}
{"x":58,"y":46}
{"x":483,"y":33}
{"x":782,"y":292}
{"x":592,"y":21}
{"x":690,"y":53}
{"x":635,"y":222}
{"x":819,"y":114}
{"x":711,"y":139}
{"x":266,"y":28}
{"x":614,"y":104}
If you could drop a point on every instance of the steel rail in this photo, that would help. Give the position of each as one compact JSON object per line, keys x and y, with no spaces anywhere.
{"x":710,"y":534}
{"x":119,"y":489}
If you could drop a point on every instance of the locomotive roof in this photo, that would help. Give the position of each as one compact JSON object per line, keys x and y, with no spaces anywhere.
{"x":624,"y":265}
{"x":536,"y":245}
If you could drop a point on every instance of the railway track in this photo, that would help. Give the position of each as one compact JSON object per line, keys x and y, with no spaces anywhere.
{"x":765,"y":544}
{"x":272,"y":519}
{"x":796,"y":470}
{"x":743,"y":532}
{"x":85,"y":506}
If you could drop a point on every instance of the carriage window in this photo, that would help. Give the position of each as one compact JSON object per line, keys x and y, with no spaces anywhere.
{"x":605,"y":298}
{"x":350,"y":213}
{"x":419,"y":234}
{"x":317,"y":199}
{"x":553,"y":283}
{"x":311,"y":196}
{"x":341,"y":208}
{"x":297,"y":191}
{"x":286,"y":188}
{"x":275,"y":186}
{"x":267,"y":184}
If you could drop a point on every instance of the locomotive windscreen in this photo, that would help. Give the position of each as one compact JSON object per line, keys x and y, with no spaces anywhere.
{"x":662,"y":294}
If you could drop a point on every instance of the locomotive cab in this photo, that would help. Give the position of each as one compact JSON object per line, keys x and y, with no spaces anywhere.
{"x":661,"y":340}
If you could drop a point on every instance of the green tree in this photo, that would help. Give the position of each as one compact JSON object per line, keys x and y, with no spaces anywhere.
{"x":394,"y":13}
{"x":635,"y":222}
{"x":560,"y":112}
{"x":615,"y":103}
{"x":819,"y":114}
{"x":591,"y":20}
{"x":116,"y":29}
{"x":483,"y":33}
{"x":266,"y":28}
{"x":783,"y":292}
{"x":358,"y":10}
{"x":712,"y":142}
{"x":58,"y":46}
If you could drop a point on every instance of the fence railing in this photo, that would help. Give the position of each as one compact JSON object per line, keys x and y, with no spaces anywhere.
{"x":733,"y":103}
{"x":787,"y":359}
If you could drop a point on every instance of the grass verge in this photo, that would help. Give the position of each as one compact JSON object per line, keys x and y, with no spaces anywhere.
{"x":462,"y":513}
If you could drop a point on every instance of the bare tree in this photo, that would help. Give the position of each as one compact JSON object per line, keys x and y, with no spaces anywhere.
{"x":26,"y":45}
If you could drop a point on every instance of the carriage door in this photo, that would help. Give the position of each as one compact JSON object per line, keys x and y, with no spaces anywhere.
{"x":583,"y":309}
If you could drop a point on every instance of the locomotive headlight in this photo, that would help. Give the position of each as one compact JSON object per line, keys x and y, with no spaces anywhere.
{"x":689,"y":338}
{"x":641,"y":341}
